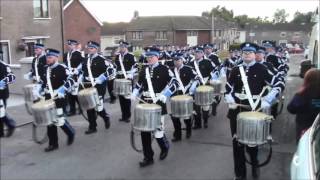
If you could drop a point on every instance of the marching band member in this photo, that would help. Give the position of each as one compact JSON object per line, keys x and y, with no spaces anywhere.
{"x":207,"y":73}
{"x":6,"y":77}
{"x":57,"y":81}
{"x":73,"y":59}
{"x":188,"y":80}
{"x":126,"y":68}
{"x":95,"y":73}
{"x":156,"y":83}
{"x":244,"y":85}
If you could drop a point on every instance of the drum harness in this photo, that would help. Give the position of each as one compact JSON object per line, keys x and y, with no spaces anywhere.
{"x":253,"y":106}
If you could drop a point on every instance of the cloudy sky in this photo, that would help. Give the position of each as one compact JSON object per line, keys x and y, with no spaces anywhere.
{"x":122,"y":10}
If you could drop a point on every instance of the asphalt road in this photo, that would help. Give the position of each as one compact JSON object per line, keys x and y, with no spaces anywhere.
{"x":108,"y":154}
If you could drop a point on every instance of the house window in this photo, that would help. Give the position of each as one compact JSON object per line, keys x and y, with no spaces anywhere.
{"x":136,"y":48}
{"x":30,"y":46}
{"x":283,"y":34}
{"x":192,"y":33}
{"x":161,"y":35}
{"x":219,"y":33}
{"x":5,"y":47}
{"x":137,"y":35}
{"x":40,"y":9}
{"x":297,"y":34}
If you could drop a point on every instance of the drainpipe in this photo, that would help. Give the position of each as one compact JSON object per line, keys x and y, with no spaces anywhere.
{"x":62,"y":25}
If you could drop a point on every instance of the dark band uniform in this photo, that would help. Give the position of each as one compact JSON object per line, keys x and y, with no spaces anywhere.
{"x":162,"y":81}
{"x":75,"y":60}
{"x":208,"y":72}
{"x":258,"y":77}
{"x":61,"y":81}
{"x":100,"y":68}
{"x":189,"y":80}
{"x":130,"y":68}
{"x":38,"y":66}
{"x":6,"y":77}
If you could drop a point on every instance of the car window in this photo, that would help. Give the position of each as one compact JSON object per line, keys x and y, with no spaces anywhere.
{"x":315,"y":53}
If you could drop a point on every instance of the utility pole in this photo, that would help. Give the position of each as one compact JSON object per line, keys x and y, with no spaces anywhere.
{"x":212,"y":27}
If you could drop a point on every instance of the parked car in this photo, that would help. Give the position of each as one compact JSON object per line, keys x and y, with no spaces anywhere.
{"x":306,"y":161}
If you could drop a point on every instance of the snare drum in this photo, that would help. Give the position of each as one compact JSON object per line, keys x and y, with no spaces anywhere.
{"x":88,"y":98}
{"x":122,"y":87}
{"x":204,"y":95}
{"x":216,"y":87}
{"x":181,"y":106}
{"x":253,"y":128}
{"x":29,"y":90}
{"x":147,"y":117}
{"x":44,"y":112}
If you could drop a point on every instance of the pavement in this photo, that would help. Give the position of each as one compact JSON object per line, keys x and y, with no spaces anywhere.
{"x":108,"y":153}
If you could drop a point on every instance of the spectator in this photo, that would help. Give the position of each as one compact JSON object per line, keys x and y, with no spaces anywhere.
{"x":306,"y":102}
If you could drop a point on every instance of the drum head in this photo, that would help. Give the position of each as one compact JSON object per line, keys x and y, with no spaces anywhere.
{"x":253,"y":115}
{"x":43,"y":105}
{"x":122,"y":80}
{"x":87,"y":91}
{"x":181,"y":98}
{"x":204,"y":88}
{"x":148,"y":106}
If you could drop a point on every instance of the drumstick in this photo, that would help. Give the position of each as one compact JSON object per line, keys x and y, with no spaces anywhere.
{"x":142,"y":100}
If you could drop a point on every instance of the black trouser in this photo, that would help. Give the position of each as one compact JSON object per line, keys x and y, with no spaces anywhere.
{"x":125,"y":105}
{"x":146,"y":137}
{"x":215,"y":105}
{"x":73,"y":99}
{"x":5,"y":120}
{"x":238,"y":148}
{"x":197,"y":116}
{"x":110,"y":89}
{"x":52,"y":129}
{"x":177,"y":126}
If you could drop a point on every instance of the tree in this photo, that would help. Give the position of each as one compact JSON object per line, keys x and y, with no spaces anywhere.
{"x":299,"y":18}
{"x":280,"y":16}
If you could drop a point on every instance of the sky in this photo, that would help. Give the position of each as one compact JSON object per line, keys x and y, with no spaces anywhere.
{"x":122,"y":10}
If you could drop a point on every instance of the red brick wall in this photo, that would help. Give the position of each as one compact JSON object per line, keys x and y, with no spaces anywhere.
{"x":181,"y":38}
{"x":80,"y":25}
{"x":203,"y":37}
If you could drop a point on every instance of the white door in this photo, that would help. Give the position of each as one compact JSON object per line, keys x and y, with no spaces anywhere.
{"x":192,"y":40}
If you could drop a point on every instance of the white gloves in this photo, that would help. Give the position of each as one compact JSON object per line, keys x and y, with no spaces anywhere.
{"x":229,"y":99}
{"x":134,"y":94}
{"x":61,"y":92}
{"x":27,"y":76}
{"x":161,"y":98}
{"x":101,"y":79}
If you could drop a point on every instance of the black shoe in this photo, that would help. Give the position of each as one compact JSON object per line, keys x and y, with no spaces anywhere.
{"x":71,"y":113}
{"x":188,"y":135}
{"x":70,"y":140}
{"x":112,"y":101}
{"x":121,"y":119}
{"x":175,"y":139}
{"x":127,"y":120}
{"x":90,"y":131}
{"x":146,"y":162}
{"x":163,"y":154}
{"x":255,"y":172}
{"x":214,"y":113}
{"x":51,"y":148}
{"x":205,"y":125}
{"x":197,"y":127}
{"x":10,"y":131}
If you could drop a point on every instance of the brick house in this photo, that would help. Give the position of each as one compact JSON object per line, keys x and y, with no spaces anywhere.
{"x":24,"y":23}
{"x":80,"y":24}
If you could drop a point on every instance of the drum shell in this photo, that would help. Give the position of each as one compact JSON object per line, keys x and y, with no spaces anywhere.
{"x":147,"y":117}
{"x":28,"y":92}
{"x":181,"y":106}
{"x":122,"y":87}
{"x":253,"y":131}
{"x":44,"y":112}
{"x":217,"y":87}
{"x":88,"y":98}
{"x":204,"y":98}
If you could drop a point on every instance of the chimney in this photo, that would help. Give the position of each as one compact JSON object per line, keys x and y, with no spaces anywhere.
{"x":135,"y":14}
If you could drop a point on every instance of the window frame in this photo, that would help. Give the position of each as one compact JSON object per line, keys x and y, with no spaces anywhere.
{"x":9,"y":50}
{"x":161,"y":35}
{"x":137,"y":35}
{"x":41,"y":10}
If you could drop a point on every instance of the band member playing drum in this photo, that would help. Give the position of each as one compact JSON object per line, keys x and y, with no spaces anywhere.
{"x":207,"y":72}
{"x":156,"y":83}
{"x":209,"y":54}
{"x":56,"y":83}
{"x":126,"y":68}
{"x":95,"y":73}
{"x":187,"y":79}
{"x":245,"y":88}
{"x":38,"y":64}
{"x":73,"y":59}
{"x":6,"y":77}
